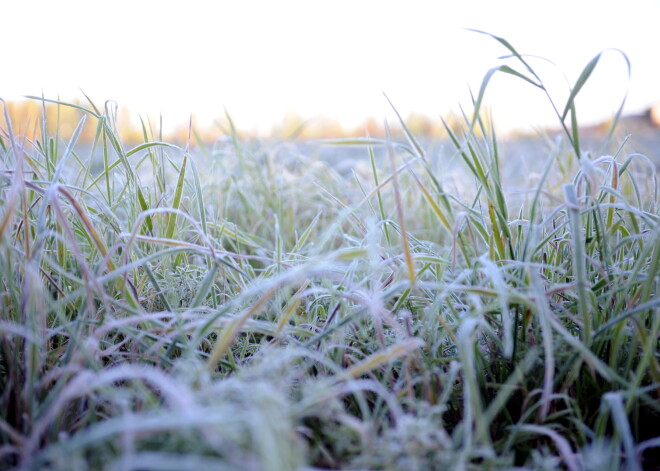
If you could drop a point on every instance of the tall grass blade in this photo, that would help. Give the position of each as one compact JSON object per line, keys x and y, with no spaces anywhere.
{"x":178,"y":192}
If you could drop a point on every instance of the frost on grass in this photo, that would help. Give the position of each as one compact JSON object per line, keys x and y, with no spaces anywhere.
{"x":249,"y":306}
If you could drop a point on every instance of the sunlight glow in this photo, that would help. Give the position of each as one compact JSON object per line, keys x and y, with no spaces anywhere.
{"x":263,"y":59}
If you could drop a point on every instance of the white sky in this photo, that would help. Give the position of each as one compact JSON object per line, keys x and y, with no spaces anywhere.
{"x":260,"y":59}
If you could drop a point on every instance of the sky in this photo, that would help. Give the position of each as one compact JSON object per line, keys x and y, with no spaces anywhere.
{"x":260,"y":60}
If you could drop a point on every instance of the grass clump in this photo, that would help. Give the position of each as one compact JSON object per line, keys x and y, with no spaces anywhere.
{"x":248,"y":307}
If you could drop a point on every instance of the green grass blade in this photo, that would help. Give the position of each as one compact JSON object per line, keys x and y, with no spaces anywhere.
{"x":178,"y":192}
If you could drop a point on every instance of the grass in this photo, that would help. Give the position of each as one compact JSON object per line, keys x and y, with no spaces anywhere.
{"x":247,"y":307}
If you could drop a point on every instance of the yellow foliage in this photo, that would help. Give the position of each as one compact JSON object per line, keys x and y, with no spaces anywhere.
{"x":28,"y":117}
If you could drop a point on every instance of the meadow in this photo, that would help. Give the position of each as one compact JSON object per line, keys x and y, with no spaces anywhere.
{"x":245,"y":306}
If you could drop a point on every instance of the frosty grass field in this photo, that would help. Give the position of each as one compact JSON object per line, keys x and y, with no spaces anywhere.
{"x":244,"y":306}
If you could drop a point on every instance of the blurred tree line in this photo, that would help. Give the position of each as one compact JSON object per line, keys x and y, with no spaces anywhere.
{"x":27,"y":118}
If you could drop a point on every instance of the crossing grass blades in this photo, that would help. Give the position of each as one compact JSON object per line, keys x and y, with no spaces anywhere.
{"x":246,"y":307}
